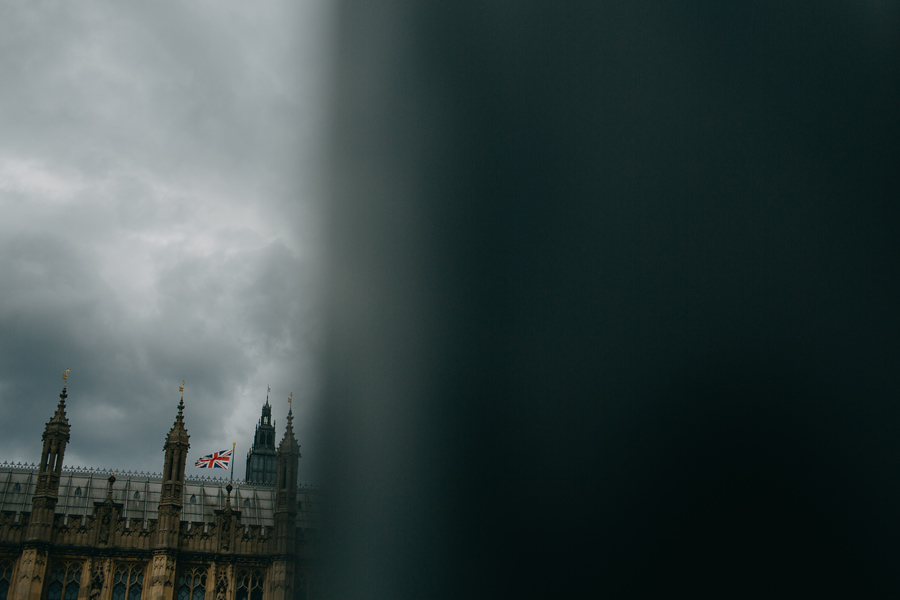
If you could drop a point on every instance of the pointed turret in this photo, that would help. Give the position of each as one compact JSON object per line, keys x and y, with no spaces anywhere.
{"x":56,"y":436}
{"x":261,"y":459}
{"x":286,"y":486}
{"x":32,"y":569}
{"x":59,"y":421}
{"x":286,"y":511}
{"x":289,"y":441}
{"x":168,"y":524}
{"x":266,"y":418}
{"x":176,"y":447}
{"x":170,"y":502}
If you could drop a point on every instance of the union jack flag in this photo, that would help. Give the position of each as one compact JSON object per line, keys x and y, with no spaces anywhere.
{"x":216,"y":460}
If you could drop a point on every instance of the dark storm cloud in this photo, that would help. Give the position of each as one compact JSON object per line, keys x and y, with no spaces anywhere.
{"x":158,"y":188}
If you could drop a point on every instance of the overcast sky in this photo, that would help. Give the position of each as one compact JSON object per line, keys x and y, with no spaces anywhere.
{"x":160,"y":173}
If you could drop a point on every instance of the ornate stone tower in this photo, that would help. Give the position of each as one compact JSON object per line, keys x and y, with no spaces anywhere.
{"x":165,"y":546}
{"x":33,"y":562}
{"x":56,"y":436}
{"x":285,"y":513}
{"x":261,"y":460}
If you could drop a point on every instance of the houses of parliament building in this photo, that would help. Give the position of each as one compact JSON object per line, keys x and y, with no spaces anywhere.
{"x":85,"y":534}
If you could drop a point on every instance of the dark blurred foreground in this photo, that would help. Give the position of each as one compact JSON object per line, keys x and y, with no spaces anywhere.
{"x":614,"y":300}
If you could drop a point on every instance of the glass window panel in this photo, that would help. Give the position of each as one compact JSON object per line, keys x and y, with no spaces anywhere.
{"x":54,"y":592}
{"x":71,"y":592}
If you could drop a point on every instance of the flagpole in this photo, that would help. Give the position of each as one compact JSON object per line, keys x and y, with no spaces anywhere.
{"x":233,"y":445}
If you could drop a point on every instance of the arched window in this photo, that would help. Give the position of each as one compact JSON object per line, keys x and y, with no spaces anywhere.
{"x":193,"y":499}
{"x":6,"y":568}
{"x":128,"y":582}
{"x":249,"y":584}
{"x":65,"y":580}
{"x":137,"y":495}
{"x":17,"y":487}
{"x":191,"y":584}
{"x":78,"y":491}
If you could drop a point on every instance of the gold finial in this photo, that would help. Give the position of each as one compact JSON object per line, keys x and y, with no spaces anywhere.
{"x":181,"y":387}
{"x":290,"y":397}
{"x":65,"y":378}
{"x":268,"y":389}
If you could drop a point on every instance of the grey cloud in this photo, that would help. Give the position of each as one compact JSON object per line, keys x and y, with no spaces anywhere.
{"x":159,"y":187}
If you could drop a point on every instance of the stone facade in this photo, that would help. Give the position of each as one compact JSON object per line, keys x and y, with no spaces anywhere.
{"x":78,"y":534}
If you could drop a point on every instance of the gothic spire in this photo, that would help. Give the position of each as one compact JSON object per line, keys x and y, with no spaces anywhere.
{"x":55,"y":438}
{"x":286,"y":487}
{"x":59,"y":417}
{"x":261,"y":462}
{"x":176,"y":448}
{"x":266,"y":416}
{"x":289,"y":442}
{"x":178,"y":434}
